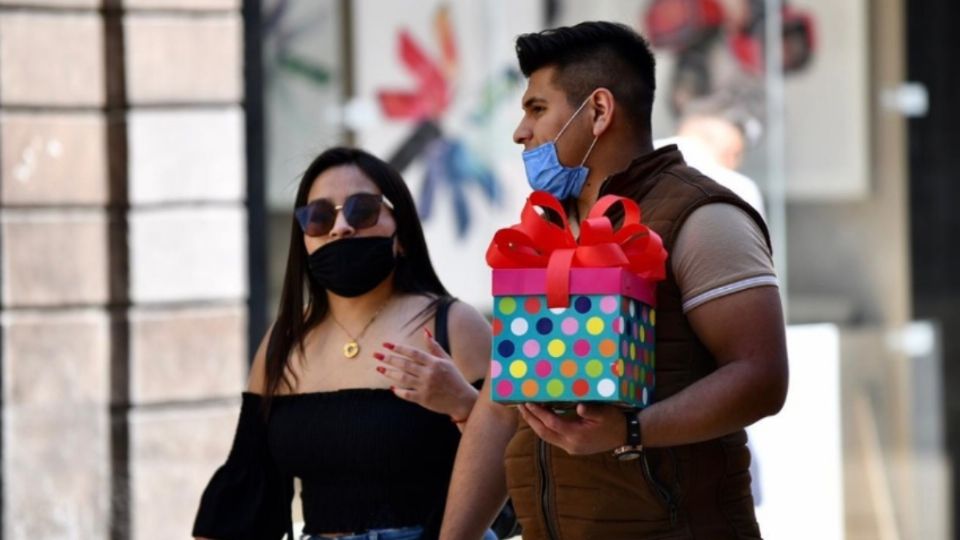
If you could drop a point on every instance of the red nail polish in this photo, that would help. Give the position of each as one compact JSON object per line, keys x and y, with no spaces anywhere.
{"x":378,"y":356}
{"x":427,"y":332}
{"x":381,"y":369}
{"x":387,"y":345}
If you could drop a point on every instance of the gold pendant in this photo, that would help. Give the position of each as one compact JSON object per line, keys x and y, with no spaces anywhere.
{"x":351,"y":349}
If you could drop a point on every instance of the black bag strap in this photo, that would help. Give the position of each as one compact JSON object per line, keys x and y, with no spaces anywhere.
{"x":440,"y":330}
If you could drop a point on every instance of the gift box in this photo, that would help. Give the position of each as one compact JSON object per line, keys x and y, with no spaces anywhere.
{"x":574,"y":321}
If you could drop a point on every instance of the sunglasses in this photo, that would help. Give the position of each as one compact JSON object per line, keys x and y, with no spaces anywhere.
{"x":361,"y":210}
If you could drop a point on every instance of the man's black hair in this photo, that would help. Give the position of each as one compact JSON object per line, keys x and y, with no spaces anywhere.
{"x":591,"y":55}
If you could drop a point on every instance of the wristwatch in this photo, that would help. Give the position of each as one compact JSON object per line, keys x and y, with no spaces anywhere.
{"x":634,"y":447}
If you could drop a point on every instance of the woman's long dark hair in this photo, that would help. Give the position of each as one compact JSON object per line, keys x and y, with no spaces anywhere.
{"x":413,"y":274}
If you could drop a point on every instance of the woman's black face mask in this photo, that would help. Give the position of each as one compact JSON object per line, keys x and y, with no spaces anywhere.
{"x":353,"y":266}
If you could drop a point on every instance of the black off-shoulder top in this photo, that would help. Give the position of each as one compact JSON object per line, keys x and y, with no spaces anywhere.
{"x":366,"y":459}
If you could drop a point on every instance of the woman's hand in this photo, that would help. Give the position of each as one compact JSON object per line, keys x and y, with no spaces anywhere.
{"x":428,"y":378}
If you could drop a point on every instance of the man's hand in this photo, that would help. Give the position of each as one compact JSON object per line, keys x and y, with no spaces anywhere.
{"x":594,"y":429}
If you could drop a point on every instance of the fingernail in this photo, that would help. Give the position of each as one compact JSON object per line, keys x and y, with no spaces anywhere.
{"x":381,"y":369}
{"x":388,"y":345}
{"x":378,"y":356}
{"x":427,"y":332}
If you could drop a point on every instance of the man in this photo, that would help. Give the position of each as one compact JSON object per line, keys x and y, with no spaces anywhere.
{"x":721,"y":359}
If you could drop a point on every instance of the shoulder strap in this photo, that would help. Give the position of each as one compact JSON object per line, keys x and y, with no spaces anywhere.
{"x":440,"y":333}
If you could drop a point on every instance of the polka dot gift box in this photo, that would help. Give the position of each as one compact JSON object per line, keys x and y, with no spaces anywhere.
{"x":599,"y":348}
{"x":575,"y":320}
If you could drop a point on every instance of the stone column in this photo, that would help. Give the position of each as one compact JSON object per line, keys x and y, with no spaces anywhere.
{"x":187,"y":238}
{"x":123,"y":261}
{"x":54,"y":273}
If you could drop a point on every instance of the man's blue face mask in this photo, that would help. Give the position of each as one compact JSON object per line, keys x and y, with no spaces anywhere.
{"x":546,"y":173}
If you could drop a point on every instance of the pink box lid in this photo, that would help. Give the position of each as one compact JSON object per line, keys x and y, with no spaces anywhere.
{"x":527,"y":281}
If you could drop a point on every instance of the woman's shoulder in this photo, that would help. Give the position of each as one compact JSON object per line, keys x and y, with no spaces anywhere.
{"x":470,"y":339}
{"x":465,"y":317}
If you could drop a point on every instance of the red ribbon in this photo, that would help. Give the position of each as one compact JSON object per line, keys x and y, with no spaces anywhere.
{"x":535,"y":242}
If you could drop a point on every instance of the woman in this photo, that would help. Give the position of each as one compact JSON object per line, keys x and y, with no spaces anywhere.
{"x":349,"y":391}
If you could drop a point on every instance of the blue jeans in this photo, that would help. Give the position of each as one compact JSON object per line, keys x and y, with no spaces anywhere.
{"x":406,"y":533}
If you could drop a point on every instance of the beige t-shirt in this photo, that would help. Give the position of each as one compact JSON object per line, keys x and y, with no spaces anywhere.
{"x":719,"y":251}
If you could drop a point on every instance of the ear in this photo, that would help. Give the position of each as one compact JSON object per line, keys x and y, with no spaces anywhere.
{"x":603,"y":106}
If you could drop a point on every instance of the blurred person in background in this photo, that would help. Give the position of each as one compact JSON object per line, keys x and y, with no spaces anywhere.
{"x":678,"y":468}
{"x":713,"y":136}
{"x":371,"y":430}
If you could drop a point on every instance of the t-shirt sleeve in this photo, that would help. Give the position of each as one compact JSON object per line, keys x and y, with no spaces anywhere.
{"x":719,"y":251}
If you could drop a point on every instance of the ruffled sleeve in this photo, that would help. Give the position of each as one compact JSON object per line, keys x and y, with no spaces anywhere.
{"x":247,"y":498}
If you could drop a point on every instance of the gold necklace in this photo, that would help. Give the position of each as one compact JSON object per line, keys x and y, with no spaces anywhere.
{"x":352,"y":348}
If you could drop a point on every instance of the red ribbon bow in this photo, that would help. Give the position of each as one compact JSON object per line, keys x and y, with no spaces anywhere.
{"x":535,"y":242}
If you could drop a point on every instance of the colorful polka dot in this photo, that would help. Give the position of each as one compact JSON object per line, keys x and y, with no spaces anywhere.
{"x":569,"y":326}
{"x":594,"y":368}
{"x":606,"y":388}
{"x":653,"y":317}
{"x":556,"y":348}
{"x":543,"y":368}
{"x":518,"y":369}
{"x":544,"y":326}
{"x":608,"y":347}
{"x":601,"y":347}
{"x":608,"y":304}
{"x":529,"y":388}
{"x":594,"y":326}
{"x":519,"y":326}
{"x":581,"y":347}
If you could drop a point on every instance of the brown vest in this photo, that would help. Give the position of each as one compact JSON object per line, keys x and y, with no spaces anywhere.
{"x":697,"y":491}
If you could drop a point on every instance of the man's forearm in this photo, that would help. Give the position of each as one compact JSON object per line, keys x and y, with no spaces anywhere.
{"x":478,"y":485}
{"x":737,"y":396}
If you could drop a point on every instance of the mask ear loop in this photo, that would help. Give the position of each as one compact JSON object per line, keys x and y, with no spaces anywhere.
{"x":565,"y":126}
{"x":575,"y":113}
{"x":594,"y":143}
